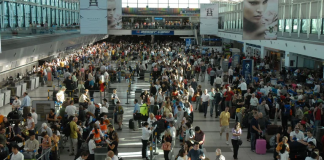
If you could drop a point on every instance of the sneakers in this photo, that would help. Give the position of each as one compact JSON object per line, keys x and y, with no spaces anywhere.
{"x":253,"y":150}
{"x":227,"y":143}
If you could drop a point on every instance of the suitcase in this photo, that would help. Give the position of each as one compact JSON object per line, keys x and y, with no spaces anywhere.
{"x":49,"y":83}
{"x":273,"y":129}
{"x":131,"y":124}
{"x":155,"y":109}
{"x":261,"y":146}
{"x":201,"y":108}
{"x":76,"y":100}
{"x":158,"y":117}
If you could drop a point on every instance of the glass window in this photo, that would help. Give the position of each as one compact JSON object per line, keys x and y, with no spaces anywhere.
{"x":20,"y":15}
{"x":288,"y":25}
{"x":132,"y":5}
{"x":304,"y":25}
{"x":142,"y":5}
{"x":295,"y":26}
{"x":141,"y":1}
{"x":183,"y":5}
{"x":124,"y":5}
{"x":314,"y":26}
{"x":194,"y":5}
{"x":204,"y":1}
{"x":183,"y":1}
{"x":163,"y":1}
{"x":132,"y":1}
{"x":173,"y":1}
{"x":33,"y":14}
{"x":193,"y":1}
{"x":163,"y":5}
{"x":281,"y":24}
{"x":153,"y":1}
{"x":39,"y":14}
{"x":174,"y":5}
{"x":155,"y":5}
{"x":12,"y":15}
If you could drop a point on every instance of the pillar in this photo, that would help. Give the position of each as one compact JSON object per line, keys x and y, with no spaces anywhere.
{"x":287,"y":59}
{"x":262,"y":52}
{"x":152,"y":38}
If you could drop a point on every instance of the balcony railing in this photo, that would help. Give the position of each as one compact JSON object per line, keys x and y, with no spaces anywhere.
{"x":183,"y":27}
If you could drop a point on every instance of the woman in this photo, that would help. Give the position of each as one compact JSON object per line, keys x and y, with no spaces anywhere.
{"x":257,"y":21}
{"x":284,"y":154}
{"x":92,"y":146}
{"x":236,"y":131}
{"x":112,"y":146}
{"x":167,"y":109}
{"x":151,"y":119}
{"x":198,"y":93}
{"x":182,"y":155}
{"x":16,"y":103}
{"x":46,"y":146}
{"x":55,"y":138}
{"x":166,"y":146}
{"x":114,"y":97}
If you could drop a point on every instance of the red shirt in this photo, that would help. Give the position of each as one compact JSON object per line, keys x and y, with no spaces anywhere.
{"x":229,"y":95}
{"x":317,"y":113}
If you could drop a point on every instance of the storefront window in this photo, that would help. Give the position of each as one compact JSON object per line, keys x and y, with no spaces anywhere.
{"x":281,"y":24}
{"x":295,"y":25}
{"x":304,"y":26}
{"x":314,"y":26}
{"x":288,"y":25}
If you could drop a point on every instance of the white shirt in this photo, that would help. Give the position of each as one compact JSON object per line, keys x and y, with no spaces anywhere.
{"x":18,"y":156}
{"x":103,"y":110}
{"x":92,"y":146}
{"x":80,"y":158}
{"x":34,"y":116}
{"x":243,"y":86}
{"x":146,"y":133}
{"x":151,"y":121}
{"x":29,"y":123}
{"x":312,"y":139}
{"x":152,"y":100}
{"x":70,"y":110}
{"x":191,"y":91}
{"x":284,"y":156}
{"x":60,"y":96}
{"x":205,"y":97}
{"x":16,"y":103}
{"x":298,"y":135}
{"x":230,"y":72}
{"x":114,"y":157}
{"x":254,"y":101}
{"x":183,"y":158}
{"x":189,"y":135}
{"x":218,"y":80}
{"x":173,"y":132}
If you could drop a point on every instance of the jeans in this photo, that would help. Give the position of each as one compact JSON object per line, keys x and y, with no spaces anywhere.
{"x":144,"y":148}
{"x":73,"y":144}
{"x":166,"y":155}
{"x":212,"y":105}
{"x":228,"y":104}
{"x":253,"y":140}
{"x":197,"y":101}
{"x":212,"y":78}
{"x":203,"y":76}
{"x":235,"y":148}
{"x":119,"y":76}
{"x":46,"y":153}
{"x":317,"y":124}
{"x":205,"y":106}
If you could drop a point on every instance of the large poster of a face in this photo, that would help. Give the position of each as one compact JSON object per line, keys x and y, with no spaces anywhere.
{"x":260,"y":19}
{"x":93,"y":12}
{"x":115,"y":14}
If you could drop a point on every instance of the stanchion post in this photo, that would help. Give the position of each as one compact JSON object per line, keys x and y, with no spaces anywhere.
{"x":127,"y":97}
{"x":155,"y":153}
{"x":48,"y":95}
{"x":100,"y":96}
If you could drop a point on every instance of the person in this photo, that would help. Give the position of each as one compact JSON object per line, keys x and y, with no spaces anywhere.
{"x":196,"y":153}
{"x":151,"y":119}
{"x":167,"y":140}
{"x":308,"y":139}
{"x":120,"y":113}
{"x":236,"y":131}
{"x":212,"y":94}
{"x":224,"y":119}
{"x":47,"y":129}
{"x":254,"y":129}
{"x":51,"y":117}
{"x":114,"y":19}
{"x":284,"y":142}
{"x":74,"y":136}
{"x":205,"y":98}
{"x":34,"y":116}
{"x":146,"y":132}
{"x":84,"y":155}
{"x":31,"y":144}
{"x":296,"y":135}
{"x":92,"y":146}
{"x":55,"y":140}
{"x":256,"y":20}
{"x":16,"y":155}
{"x":60,"y":97}
{"x":16,"y":103}
{"x":25,"y":104}
{"x":182,"y":155}
{"x":243,"y":87}
{"x":219,"y":155}
{"x":199,"y":137}
{"x":137,"y":115}
{"x":70,"y":110}
{"x":114,"y":143}
{"x":114,"y":97}
{"x":30,"y":123}
{"x":318,"y":112}
{"x":313,"y":156}
{"x":112,"y":155}
{"x":46,"y":146}
{"x":284,"y":154}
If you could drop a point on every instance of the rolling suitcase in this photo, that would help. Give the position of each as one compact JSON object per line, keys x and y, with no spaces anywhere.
{"x":201,"y":109}
{"x":261,"y":146}
{"x":49,"y":83}
{"x":131,"y":124}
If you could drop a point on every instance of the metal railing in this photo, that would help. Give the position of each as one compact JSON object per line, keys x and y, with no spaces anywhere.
{"x":139,"y":26}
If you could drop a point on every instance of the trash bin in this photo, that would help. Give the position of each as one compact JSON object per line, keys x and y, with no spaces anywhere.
{"x":100,"y":153}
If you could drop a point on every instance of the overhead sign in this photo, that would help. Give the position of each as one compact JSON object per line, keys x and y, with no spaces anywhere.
{"x":209,"y":19}
{"x":141,"y":32}
{"x":248,"y":66}
{"x":93,"y":17}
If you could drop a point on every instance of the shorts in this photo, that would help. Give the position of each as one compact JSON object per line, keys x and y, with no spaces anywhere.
{"x":225,"y":129}
{"x":119,"y":118}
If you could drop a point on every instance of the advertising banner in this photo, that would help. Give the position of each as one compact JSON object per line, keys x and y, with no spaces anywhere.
{"x":188,"y":42}
{"x":141,"y":32}
{"x":260,"y":20}
{"x":93,"y":17}
{"x":248,"y":66}
{"x":114,"y":14}
{"x":209,"y":19}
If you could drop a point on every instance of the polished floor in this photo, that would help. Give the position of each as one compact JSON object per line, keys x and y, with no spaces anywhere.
{"x":130,"y":141}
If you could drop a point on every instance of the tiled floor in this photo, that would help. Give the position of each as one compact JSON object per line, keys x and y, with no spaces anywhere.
{"x":130,"y":144}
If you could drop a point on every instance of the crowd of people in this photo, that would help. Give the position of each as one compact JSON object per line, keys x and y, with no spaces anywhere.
{"x":173,"y":98}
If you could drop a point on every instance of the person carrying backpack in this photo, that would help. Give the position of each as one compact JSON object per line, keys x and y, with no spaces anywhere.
{"x":203,"y":72}
{"x":120,"y":113}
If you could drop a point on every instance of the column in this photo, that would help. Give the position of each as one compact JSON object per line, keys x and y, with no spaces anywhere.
{"x":262,"y":52}
{"x":287,"y":59}
{"x":244,"y":48}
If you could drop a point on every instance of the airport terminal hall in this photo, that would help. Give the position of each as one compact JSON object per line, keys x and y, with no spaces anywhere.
{"x":161,"y":79}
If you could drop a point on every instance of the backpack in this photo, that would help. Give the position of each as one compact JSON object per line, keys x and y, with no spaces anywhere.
{"x":120,"y":110}
{"x":67,"y":130}
{"x":287,"y":110}
{"x":272,"y":141}
{"x":203,"y":68}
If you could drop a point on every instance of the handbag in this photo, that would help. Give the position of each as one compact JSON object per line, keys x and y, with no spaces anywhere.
{"x":239,"y":141}
{"x":166,"y":146}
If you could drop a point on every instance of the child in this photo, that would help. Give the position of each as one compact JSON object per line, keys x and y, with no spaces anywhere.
{"x":284,"y":154}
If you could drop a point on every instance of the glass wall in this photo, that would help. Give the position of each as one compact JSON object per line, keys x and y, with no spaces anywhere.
{"x":35,"y":13}
{"x":163,"y":3}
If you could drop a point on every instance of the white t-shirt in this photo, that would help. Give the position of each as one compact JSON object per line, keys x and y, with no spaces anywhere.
{"x":152,"y":100}
{"x":70,"y":110}
{"x":103,"y":110}
{"x":29,"y":123}
{"x":183,"y":158}
{"x":34,"y":116}
{"x":310,"y":140}
{"x":284,"y":156}
{"x":92,"y":146}
{"x":18,"y":156}
{"x":60,"y":96}
{"x":299,"y":135}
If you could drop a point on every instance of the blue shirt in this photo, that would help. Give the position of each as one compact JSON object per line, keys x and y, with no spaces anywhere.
{"x":136,"y":108}
{"x":26,"y":102}
{"x":91,"y":83}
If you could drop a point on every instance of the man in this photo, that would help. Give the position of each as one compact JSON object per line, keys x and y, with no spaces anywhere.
{"x":205,"y":101}
{"x":146,"y":133}
{"x":25,"y":104}
{"x":298,"y":116}
{"x":196,"y":153}
{"x":136,"y":115}
{"x":309,"y":138}
{"x":70,"y":110}
{"x":47,"y":129}
{"x":31,"y":144}
{"x":3,"y":142}
{"x":212,"y":103}
{"x":119,"y":73}
{"x":179,"y":116}
{"x":253,"y":101}
{"x":212,"y":75}
{"x":16,"y":155}
{"x":60,"y":97}
{"x":51,"y":117}
{"x":120,"y":113}
{"x":263,"y":122}
{"x":263,"y":107}
{"x":219,"y":155}
{"x":91,"y":87}
{"x":203,"y":72}
{"x":191,"y":92}
{"x":74,"y":136}
{"x":218,"y":81}
{"x":255,"y":129}
{"x":34,"y":116}
{"x":30,"y":123}
{"x":224,"y":123}
{"x":228,"y":97}
{"x":243,"y":87}
{"x":296,"y":135}
{"x":112,"y":155}
{"x":16,"y":103}
{"x":194,"y":84}
{"x":84,"y":155}
{"x":114,"y":20}
{"x":318,"y":112}
{"x":91,"y":108}
{"x":111,"y":131}
{"x":199,"y":137}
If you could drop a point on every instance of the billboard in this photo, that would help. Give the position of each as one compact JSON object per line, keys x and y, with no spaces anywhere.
{"x":248,"y":66}
{"x":144,"y":32}
{"x":260,"y":20}
{"x":114,"y":14}
{"x":209,"y":19}
{"x":93,"y":17}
